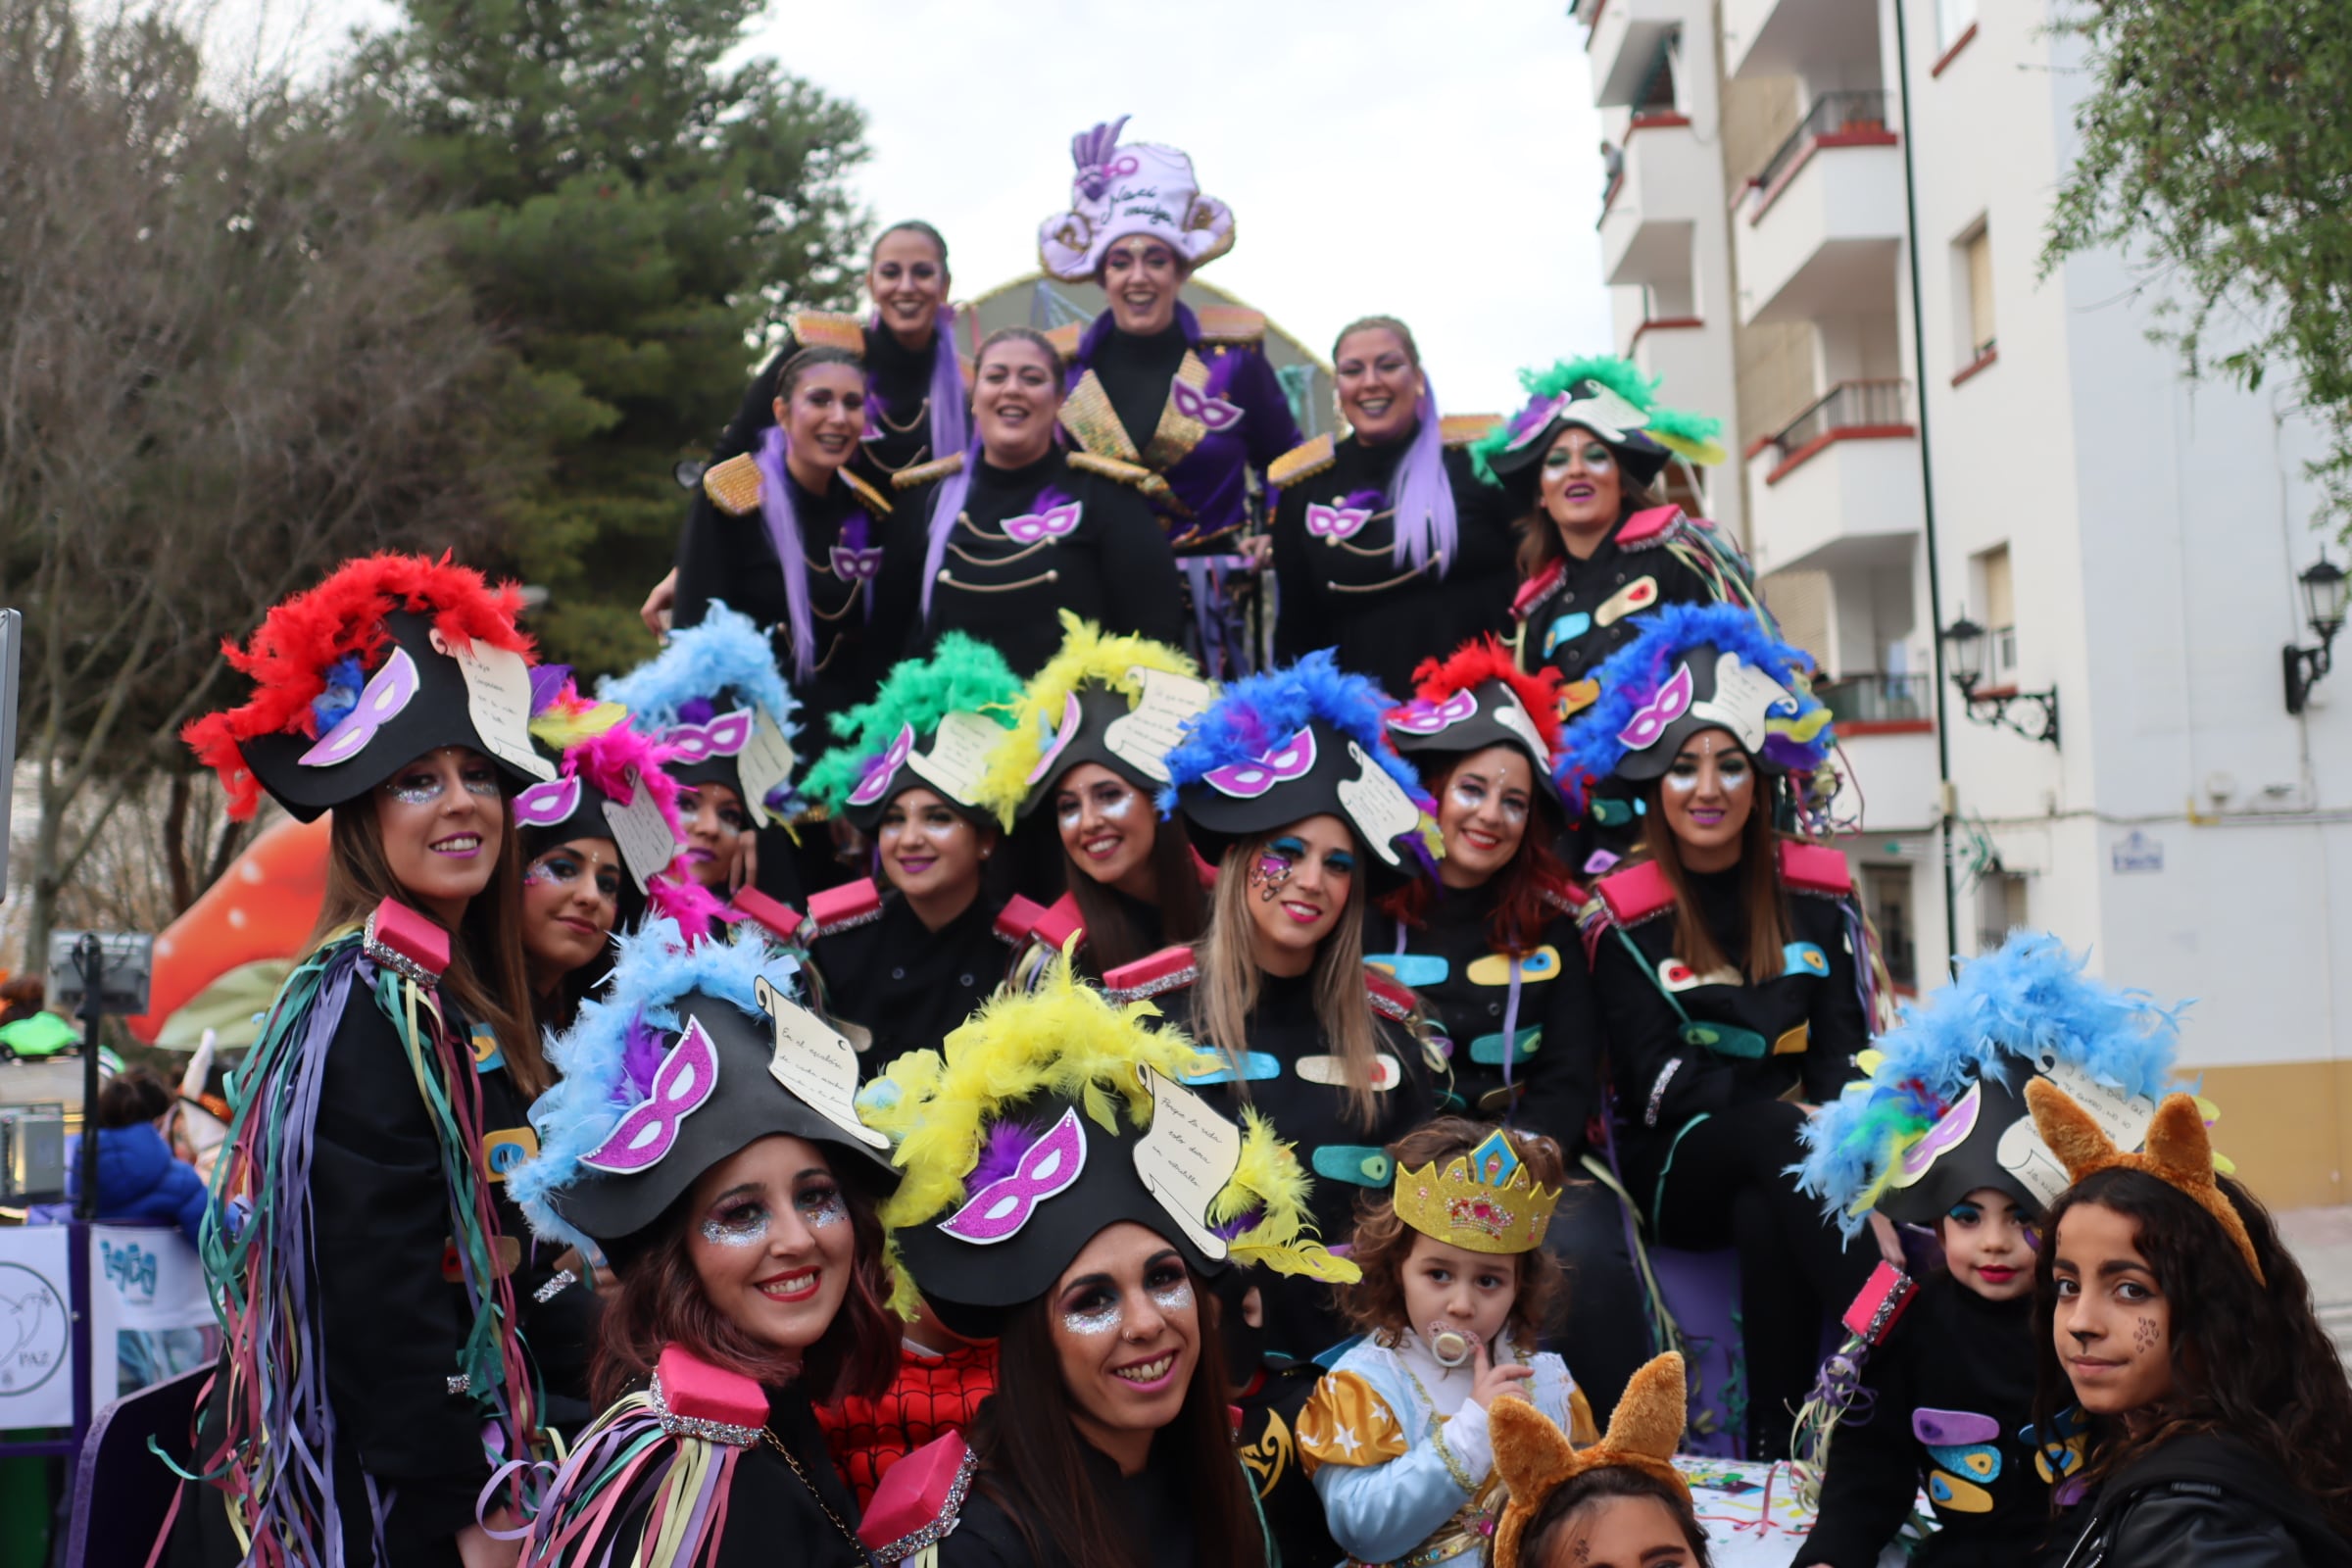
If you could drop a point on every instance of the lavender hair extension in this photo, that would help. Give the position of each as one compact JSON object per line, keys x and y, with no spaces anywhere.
{"x":945,"y":504}
{"x":784,"y":531}
{"x":951,"y":430}
{"x":1421,"y":494}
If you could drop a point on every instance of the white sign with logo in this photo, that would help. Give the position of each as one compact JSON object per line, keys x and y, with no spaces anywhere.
{"x":36,"y":1385}
{"x":2135,"y":852}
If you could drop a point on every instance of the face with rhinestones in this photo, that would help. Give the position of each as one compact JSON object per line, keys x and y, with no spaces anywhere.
{"x":571,"y":898}
{"x":716,"y":823}
{"x":2110,"y":1321}
{"x":443,"y":819}
{"x":772,"y":1240}
{"x":1142,"y":276}
{"x":1299,"y":884}
{"x":823,"y":416}
{"x":1127,"y":1332}
{"x":1016,"y":393}
{"x":1483,"y":808}
{"x":1108,"y":829}
{"x":1707,"y":794}
{"x":1580,"y":488}
{"x":1378,"y":384}
{"x":1451,"y":1286}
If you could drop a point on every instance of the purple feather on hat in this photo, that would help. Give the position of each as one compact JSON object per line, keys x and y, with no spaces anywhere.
{"x":641,"y":1055}
{"x":1091,"y":151}
{"x":1008,"y":1142}
{"x":547,"y":684}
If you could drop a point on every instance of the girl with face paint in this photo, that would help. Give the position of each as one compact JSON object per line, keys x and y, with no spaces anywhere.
{"x":1181,"y":405}
{"x":1490,"y":945}
{"x":384,"y":1102}
{"x":740,"y":1218}
{"x":1728,"y":972}
{"x":1387,"y":549}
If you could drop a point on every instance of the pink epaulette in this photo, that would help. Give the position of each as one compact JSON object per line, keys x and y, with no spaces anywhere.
{"x":1535,"y":588}
{"x":918,"y":1500}
{"x":778,"y":918}
{"x":1017,"y":922}
{"x":1389,"y":998}
{"x":1815,"y":869}
{"x":1635,"y":893}
{"x":852,"y":904}
{"x":1059,"y":923}
{"x":1152,"y":975}
{"x":696,"y":1400}
{"x":411,"y":945}
{"x":1646,"y":526}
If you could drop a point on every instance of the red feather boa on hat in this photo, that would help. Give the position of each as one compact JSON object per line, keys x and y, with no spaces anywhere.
{"x":299,"y":640}
{"x":1485,"y":659}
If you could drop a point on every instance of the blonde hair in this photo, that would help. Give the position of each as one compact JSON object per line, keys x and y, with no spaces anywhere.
{"x":1227,"y":991}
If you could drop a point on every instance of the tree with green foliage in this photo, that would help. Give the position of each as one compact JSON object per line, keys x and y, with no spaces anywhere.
{"x":2217,"y":152}
{"x":633,"y":214}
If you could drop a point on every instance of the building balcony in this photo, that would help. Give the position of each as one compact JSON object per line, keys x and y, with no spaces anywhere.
{"x":1797,"y":38}
{"x":1652,"y":208}
{"x":1821,"y":224}
{"x":1837,"y":486}
{"x":1624,"y":42}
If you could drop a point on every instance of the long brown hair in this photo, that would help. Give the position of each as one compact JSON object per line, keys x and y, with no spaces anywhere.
{"x":1112,"y":939}
{"x":2249,"y":1360}
{"x":662,"y":1301}
{"x":486,"y":975}
{"x":1540,"y":537}
{"x":1033,"y":1461}
{"x":1694,"y":941}
{"x":1382,"y":1241}
{"x":1226,"y":994}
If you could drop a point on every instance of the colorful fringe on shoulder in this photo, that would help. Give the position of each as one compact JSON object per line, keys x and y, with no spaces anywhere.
{"x":962,"y":675}
{"x":1088,"y":655}
{"x":629,"y":1456}
{"x":275,"y":1455}
{"x":1259,"y":713}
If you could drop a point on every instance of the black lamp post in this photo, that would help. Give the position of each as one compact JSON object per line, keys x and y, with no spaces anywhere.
{"x":2324,"y":585}
{"x":2037,"y":719}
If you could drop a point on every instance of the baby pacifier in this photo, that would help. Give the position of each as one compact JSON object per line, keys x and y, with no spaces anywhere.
{"x":1451,"y":1347}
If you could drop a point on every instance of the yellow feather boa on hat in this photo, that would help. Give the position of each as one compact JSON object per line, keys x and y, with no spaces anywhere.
{"x":1088,"y":655}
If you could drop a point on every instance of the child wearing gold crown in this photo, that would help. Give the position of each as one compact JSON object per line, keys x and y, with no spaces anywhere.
{"x":1455,"y":1291}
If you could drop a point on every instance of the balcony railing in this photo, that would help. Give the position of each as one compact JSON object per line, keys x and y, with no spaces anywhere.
{"x":1833,"y":113}
{"x":1877,"y":699}
{"x":1848,"y":406}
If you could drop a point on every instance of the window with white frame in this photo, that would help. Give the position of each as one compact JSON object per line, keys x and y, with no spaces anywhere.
{"x":1999,"y":599}
{"x":1952,"y":18}
{"x":1973,"y":272}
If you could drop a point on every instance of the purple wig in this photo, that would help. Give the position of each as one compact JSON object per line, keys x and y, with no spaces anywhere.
{"x":1422,"y":494}
{"x":784,"y":533}
{"x":950,"y":427}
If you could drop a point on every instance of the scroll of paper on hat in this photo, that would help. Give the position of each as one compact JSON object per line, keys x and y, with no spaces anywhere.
{"x":816,"y":1064}
{"x":498,"y":699}
{"x":1155,"y":725}
{"x":958,"y":755}
{"x":1380,"y":809}
{"x":765,"y":764}
{"x":1186,"y":1157}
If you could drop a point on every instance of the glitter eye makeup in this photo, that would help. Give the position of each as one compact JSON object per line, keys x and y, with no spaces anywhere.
{"x":1095,"y":1312}
{"x":1598,"y":456}
{"x":1340,"y":863}
{"x":551,"y":870}
{"x":745,"y":1225}
{"x":1174,"y":1297}
{"x":1556,"y":457}
{"x":481,"y":781}
{"x":823,"y":1207}
{"x":415,"y":789}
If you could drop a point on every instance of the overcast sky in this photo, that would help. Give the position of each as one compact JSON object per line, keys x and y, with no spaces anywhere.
{"x":1433,"y":161}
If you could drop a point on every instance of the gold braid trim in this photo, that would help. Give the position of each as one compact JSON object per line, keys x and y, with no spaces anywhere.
{"x":925,"y":473}
{"x":733,"y":486}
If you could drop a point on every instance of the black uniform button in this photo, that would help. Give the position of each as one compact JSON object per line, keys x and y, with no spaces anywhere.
{"x":898,"y":974}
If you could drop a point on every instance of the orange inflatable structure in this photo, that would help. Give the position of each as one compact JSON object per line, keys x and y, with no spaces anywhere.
{"x":223,"y":960}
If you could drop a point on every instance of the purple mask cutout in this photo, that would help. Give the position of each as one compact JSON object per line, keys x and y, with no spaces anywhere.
{"x":1062,"y":737}
{"x":1335,"y":523}
{"x":1049,"y":1167}
{"x":877,"y":773}
{"x":855,"y":565}
{"x":1421,"y":718}
{"x":723,"y":736}
{"x":546,"y":805}
{"x":682,"y":1085}
{"x":1212,"y":411}
{"x":1649,"y":724}
{"x":1950,"y":1132}
{"x":387,"y":692}
{"x":1053,"y":524}
{"x":1246,"y":781}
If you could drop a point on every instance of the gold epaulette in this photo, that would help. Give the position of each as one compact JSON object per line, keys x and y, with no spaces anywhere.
{"x":873,"y":500}
{"x":1461,"y":429}
{"x":1231,"y":324}
{"x":1065,"y":338}
{"x":827,"y":329}
{"x":925,"y":473}
{"x":1133,"y":474}
{"x":733,"y":486}
{"x":1301,"y":461}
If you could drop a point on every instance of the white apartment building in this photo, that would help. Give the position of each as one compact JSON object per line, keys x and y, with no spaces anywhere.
{"x":2015,"y":453}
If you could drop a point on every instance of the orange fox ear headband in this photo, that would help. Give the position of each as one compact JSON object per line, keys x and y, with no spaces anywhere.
{"x":1534,"y":1458}
{"x":2178,"y":1153}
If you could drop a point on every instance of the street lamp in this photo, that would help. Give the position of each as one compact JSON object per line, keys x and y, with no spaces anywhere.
{"x":1964,"y":655}
{"x":2324,"y":584}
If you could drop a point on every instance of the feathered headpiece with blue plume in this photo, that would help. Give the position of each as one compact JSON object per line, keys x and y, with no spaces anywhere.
{"x":2027,"y":1007}
{"x":1255,"y":714}
{"x":722,"y":656}
{"x":1652,"y":696}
